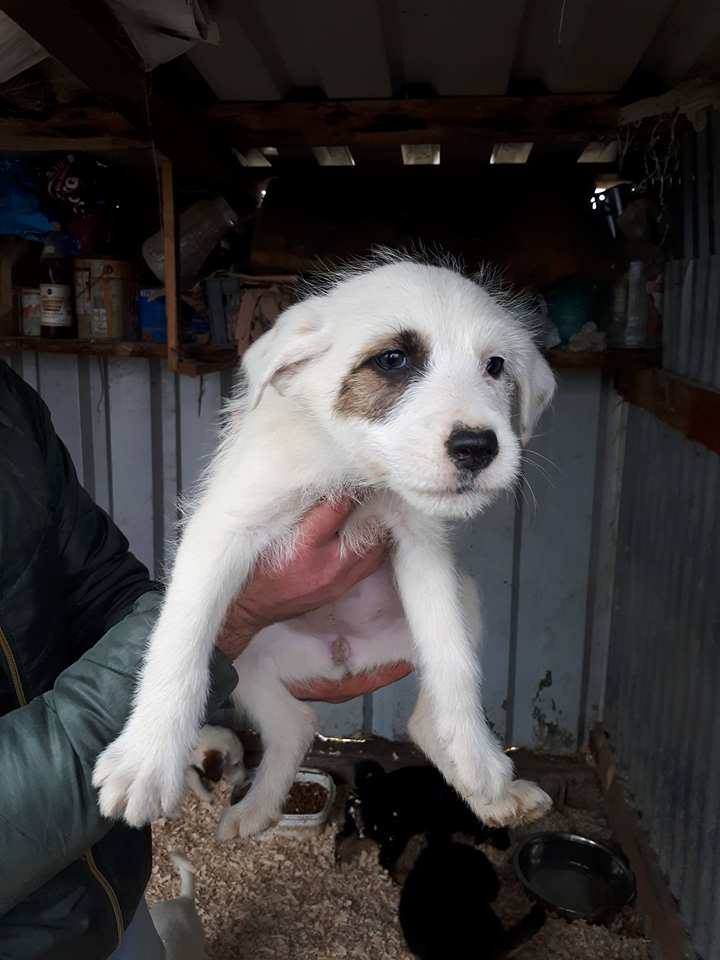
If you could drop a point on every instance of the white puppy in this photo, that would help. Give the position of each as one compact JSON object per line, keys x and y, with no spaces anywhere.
{"x":396,"y":381}
{"x":177,"y":921}
{"x":218,"y":754}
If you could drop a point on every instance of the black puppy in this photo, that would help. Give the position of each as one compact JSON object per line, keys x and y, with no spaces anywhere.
{"x":390,"y":808}
{"x":445,"y":907}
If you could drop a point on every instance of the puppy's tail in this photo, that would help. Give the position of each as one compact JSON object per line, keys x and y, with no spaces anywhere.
{"x":519,"y":934}
{"x":187,"y":874}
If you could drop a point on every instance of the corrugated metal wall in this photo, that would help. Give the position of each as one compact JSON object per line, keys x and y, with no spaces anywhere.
{"x":139,"y":437}
{"x":691,"y":346}
{"x":662,"y":702}
{"x":664,"y":663}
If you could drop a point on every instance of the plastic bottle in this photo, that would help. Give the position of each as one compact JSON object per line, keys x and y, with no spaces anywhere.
{"x":202,"y":226}
{"x":637,"y":306}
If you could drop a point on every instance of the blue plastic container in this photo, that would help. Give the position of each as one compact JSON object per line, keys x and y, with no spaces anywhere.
{"x":151,"y":315}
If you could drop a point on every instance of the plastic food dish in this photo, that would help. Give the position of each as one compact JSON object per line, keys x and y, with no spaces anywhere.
{"x":296,"y":823}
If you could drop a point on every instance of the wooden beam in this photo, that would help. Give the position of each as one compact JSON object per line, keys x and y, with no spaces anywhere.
{"x":568,"y":119}
{"x":85,"y":37}
{"x":170,"y":273}
{"x":73,"y":129}
{"x":692,"y":409}
{"x":654,"y":897}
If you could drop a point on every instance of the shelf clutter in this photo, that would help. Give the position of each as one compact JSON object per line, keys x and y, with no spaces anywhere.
{"x":183,"y":294}
{"x":198,"y":360}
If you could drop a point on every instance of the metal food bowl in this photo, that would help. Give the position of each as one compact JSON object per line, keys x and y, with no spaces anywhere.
{"x":574,"y":877}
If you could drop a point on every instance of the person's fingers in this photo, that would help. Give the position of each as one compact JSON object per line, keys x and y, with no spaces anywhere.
{"x":357,"y":568}
{"x":327,"y":691}
{"x":340,"y":691}
{"x":388,"y":674}
{"x":323,"y":521}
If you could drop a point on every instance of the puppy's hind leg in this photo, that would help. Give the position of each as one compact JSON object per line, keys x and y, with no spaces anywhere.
{"x":287,"y":728}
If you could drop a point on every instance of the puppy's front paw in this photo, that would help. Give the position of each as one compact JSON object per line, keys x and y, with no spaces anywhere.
{"x":137,"y":783}
{"x":522,"y":803}
{"x":244,"y":819}
{"x":481,"y":777}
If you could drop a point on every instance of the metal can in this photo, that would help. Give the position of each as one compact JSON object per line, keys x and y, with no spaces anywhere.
{"x":102,"y":298}
{"x":29,"y":311}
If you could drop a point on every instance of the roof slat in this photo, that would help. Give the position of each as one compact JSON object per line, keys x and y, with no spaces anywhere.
{"x":586,"y":45}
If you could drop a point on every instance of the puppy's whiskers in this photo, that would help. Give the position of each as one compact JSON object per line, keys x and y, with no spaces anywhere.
{"x":540,"y":468}
{"x":522,"y":483}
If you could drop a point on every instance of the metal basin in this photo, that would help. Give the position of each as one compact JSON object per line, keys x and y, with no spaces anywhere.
{"x":574,"y":877}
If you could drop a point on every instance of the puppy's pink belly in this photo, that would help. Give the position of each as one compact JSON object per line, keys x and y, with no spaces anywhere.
{"x":365,"y":626}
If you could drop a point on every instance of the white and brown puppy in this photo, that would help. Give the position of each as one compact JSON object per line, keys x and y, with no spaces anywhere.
{"x":218,"y":755}
{"x":398,"y":382}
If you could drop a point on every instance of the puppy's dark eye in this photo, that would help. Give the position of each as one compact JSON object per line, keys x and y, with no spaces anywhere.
{"x":494,"y":366}
{"x":390,"y":361}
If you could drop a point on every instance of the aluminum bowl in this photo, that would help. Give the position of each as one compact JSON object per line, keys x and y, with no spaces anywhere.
{"x":574,"y":877}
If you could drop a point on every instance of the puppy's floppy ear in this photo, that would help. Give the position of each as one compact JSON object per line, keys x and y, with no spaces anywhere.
{"x":299,"y":335}
{"x":536,"y":387}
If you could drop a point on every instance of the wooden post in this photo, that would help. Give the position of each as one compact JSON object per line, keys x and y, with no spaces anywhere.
{"x":170,"y":260}
{"x":656,"y":902}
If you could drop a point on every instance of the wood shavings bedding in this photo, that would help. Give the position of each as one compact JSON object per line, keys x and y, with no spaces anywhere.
{"x":285,"y":898}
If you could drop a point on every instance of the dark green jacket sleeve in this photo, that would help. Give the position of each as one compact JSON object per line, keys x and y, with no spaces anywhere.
{"x":48,"y":808}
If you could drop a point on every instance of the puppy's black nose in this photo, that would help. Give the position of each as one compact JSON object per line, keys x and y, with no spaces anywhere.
{"x":472,"y":450}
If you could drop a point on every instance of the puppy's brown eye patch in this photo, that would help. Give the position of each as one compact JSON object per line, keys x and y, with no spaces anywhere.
{"x":213,"y":763}
{"x":379,"y":379}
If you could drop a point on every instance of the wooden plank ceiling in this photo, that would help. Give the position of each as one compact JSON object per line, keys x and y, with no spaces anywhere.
{"x":335,"y":72}
{"x":375,"y":48}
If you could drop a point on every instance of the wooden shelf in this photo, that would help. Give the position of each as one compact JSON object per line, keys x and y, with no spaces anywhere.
{"x":689,"y":407}
{"x":630,"y":359}
{"x":199,"y":360}
{"x":194,"y":361}
{"x":104,"y":348}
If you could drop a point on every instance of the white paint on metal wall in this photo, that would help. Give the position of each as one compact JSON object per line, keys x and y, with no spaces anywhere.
{"x":141,"y":436}
{"x":553,"y":571}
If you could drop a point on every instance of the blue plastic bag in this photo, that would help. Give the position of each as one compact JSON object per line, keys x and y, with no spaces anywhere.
{"x":20,"y":211}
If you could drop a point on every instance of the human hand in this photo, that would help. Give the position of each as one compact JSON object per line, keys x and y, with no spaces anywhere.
{"x":315,"y":575}
{"x":354,"y":685}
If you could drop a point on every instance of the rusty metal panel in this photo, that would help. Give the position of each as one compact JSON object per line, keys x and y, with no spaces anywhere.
{"x":691,"y":315}
{"x":691,"y":319}
{"x":665,"y":660}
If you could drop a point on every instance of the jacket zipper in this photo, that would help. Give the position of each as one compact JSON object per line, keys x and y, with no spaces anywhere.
{"x":12,"y":667}
{"x":87,"y":857}
{"x":109,"y":893}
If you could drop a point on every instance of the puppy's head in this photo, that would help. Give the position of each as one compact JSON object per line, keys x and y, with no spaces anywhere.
{"x":414,"y":370}
{"x":218,"y":754}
